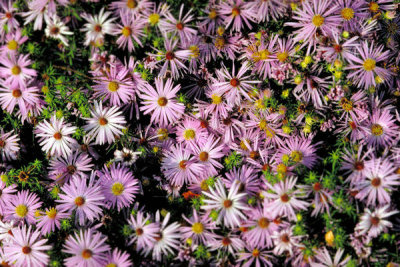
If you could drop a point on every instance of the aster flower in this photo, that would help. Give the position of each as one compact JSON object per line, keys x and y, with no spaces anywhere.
{"x":230,"y":243}
{"x":364,"y":70}
{"x":245,"y":177}
{"x":86,"y":199}
{"x":88,"y":248}
{"x":238,"y":13}
{"x":126,"y":156}
{"x":130,"y":29}
{"x":381,"y":129}
{"x":351,"y":12}
{"x":285,"y":241}
{"x":226,"y":46}
{"x":119,"y":186}
{"x":208,"y":155}
{"x":179,"y":166}
{"x":323,"y":259}
{"x":299,"y":150}
{"x":284,"y":201}
{"x":13,"y":42}
{"x":254,"y":256}
{"x":56,"y":29}
{"x":6,"y":231}
{"x":131,"y":7}
{"x":380,"y":179}
{"x":9,"y":146}
{"x":180,"y":26}
{"x":12,"y":95}
{"x":97,"y":26}
{"x":322,"y":197}
{"x":106,"y":123}
{"x":22,"y":207}
{"x":200,"y":229}
{"x":118,"y":258}
{"x":339,"y":49}
{"x":190,"y":133}
{"x":55,"y":136}
{"x":7,"y":192}
{"x":353,"y":164}
{"x":167,"y":238}
{"x":161,"y":102}
{"x":8,"y":15}
{"x":116,"y":86}
{"x":144,"y":233}
{"x":37,"y":12}
{"x":16,"y":71}
{"x":50,"y":219}
{"x":375,"y":222}
{"x":212,"y":20}
{"x":229,"y":206}
{"x":26,"y":248}
{"x":266,"y":10}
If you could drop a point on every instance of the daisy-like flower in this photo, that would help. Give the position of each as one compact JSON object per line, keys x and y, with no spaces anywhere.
{"x":130,"y":30}
{"x":364,"y":70}
{"x":106,"y":123}
{"x":55,"y":136}
{"x":9,"y":147}
{"x":22,"y":207}
{"x":339,"y":49}
{"x":230,"y":243}
{"x":27,"y":248}
{"x":255,"y":255}
{"x":375,"y":222}
{"x":97,"y":26}
{"x":212,"y":20}
{"x":299,"y":150}
{"x":271,"y":9}
{"x":117,"y":258}
{"x":229,"y":206}
{"x":13,"y":42}
{"x":285,"y":241}
{"x":191,"y":133}
{"x":88,"y":248}
{"x":238,"y":13}
{"x":199,"y":230}
{"x":126,"y":156}
{"x":313,"y":16}
{"x":16,"y":71}
{"x":144,"y":233}
{"x":237,"y":85}
{"x":353,"y":164}
{"x":131,"y":7}
{"x":119,"y":186}
{"x":7,"y":192}
{"x":7,"y":16}
{"x":173,"y":60}
{"x":323,"y":259}
{"x":381,"y":129}
{"x":179,"y":26}
{"x":246,"y":177}
{"x":6,"y":231}
{"x":86,"y":199}
{"x":161,"y":102}
{"x":208,"y":155}
{"x":50,"y":219}
{"x":56,"y":29}
{"x":284,"y":201}
{"x":379,"y":182}
{"x":116,"y":86}
{"x":179,"y":166}
{"x":167,"y":239}
{"x":351,"y":12}
{"x":12,"y":95}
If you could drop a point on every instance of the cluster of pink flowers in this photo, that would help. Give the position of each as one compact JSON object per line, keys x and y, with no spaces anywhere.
{"x":218,"y":90}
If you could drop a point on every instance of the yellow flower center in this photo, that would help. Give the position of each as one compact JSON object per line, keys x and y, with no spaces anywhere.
{"x":131,"y":4}
{"x":219,"y":43}
{"x":213,"y":14}
{"x":243,"y":144}
{"x":163,"y":134}
{"x":195,"y":51}
{"x":111,"y":265}
{"x":347,"y":13}
{"x":296,"y":156}
{"x":204,"y":185}
{"x":269,"y":132}
{"x":21,"y":210}
{"x":347,"y":105}
{"x":126,"y":31}
{"x":12,"y":45}
{"x":162,"y":101}
{"x":376,"y":129}
{"x":318,"y":20}
{"x":154,"y":18}
{"x":16,"y":70}
{"x":281,"y":168}
{"x":282,"y":56}
{"x":255,"y":253}
{"x":369,"y":64}
{"x":216,"y":99}
{"x":51,"y":213}
{"x":263,"y":125}
{"x":113,"y":86}
{"x":373,"y":7}
{"x":189,"y":134}
{"x":117,"y":189}
{"x":197,"y":228}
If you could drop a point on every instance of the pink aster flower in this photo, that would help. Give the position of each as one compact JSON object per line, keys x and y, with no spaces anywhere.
{"x":322,"y":197}
{"x":238,"y":13}
{"x":27,"y":248}
{"x":190,"y":133}
{"x":212,"y":20}
{"x":245,"y":177}
{"x":364,"y":70}
{"x":255,"y":256}
{"x":119,"y":186}
{"x":115,"y":86}
{"x":16,"y":71}
{"x":284,"y":200}
{"x":353,"y":164}
{"x":37,"y":13}
{"x":144,"y":233}
{"x":55,"y":136}
{"x":229,"y":206}
{"x":379,"y":182}
{"x":180,"y":26}
{"x":56,"y":29}
{"x":230,"y":243}
{"x":381,"y":130}
{"x":352,"y":13}
{"x":13,"y":42}
{"x":179,"y":166}
{"x":130,"y":30}
{"x":285,"y":241}
{"x":8,"y":16}
{"x":299,"y":150}
{"x":118,"y":258}
{"x":7,"y":192}
{"x":106,"y":123}
{"x":97,"y":26}
{"x":271,"y":9}
{"x":235,"y":86}
{"x":375,"y":222}
{"x":12,"y":95}
{"x":339,"y":48}
{"x":199,"y":229}
{"x":9,"y":147}
{"x":86,"y":199}
{"x":131,"y":7}
{"x":88,"y":248}
{"x":50,"y":219}
{"x":226,"y":46}
{"x":313,"y":16}
{"x":22,"y":207}
{"x":323,"y":259}
{"x":209,"y":155}
{"x":161,"y":102}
